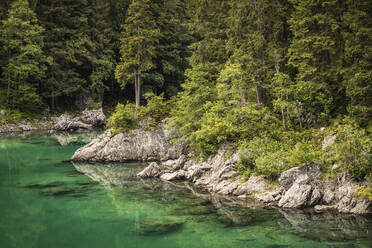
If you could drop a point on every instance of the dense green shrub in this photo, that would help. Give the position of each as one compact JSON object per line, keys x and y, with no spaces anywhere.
{"x":123,"y":119}
{"x":269,"y":157}
{"x":156,"y":110}
{"x":352,"y":149}
{"x":264,"y":156}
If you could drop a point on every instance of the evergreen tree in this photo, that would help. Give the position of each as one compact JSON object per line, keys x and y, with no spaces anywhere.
{"x":172,"y":50}
{"x":358,"y":59}
{"x":138,"y":47}
{"x":257,"y":41}
{"x":22,"y":43}
{"x":316,"y":53}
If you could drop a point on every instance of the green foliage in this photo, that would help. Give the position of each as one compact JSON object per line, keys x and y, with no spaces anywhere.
{"x":263,"y":156}
{"x":352,"y":149}
{"x":10,"y":117}
{"x":123,"y":119}
{"x":358,"y":57}
{"x":365,"y":191}
{"x":315,"y":51}
{"x":156,"y":110}
{"x":269,"y":157}
{"x":22,"y":42}
{"x":91,"y":104}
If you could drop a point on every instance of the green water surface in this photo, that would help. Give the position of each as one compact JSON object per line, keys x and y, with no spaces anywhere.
{"x":46,"y":201}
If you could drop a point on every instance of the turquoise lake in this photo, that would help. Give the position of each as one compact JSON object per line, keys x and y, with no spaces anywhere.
{"x":47,"y":201}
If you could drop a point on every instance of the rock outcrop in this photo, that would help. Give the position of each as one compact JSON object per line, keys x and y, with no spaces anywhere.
{"x":139,"y":145}
{"x":88,"y":120}
{"x":300,"y":187}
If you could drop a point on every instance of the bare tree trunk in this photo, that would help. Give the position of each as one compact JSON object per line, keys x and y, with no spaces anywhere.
{"x":138,"y":95}
{"x":135,"y":91}
{"x":8,"y":93}
{"x":283,"y":115}
{"x":259,"y":94}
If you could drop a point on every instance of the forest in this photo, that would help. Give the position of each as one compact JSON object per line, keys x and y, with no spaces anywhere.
{"x":269,"y":78}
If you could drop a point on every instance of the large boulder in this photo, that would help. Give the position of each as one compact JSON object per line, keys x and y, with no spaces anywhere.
{"x":254,"y":185}
{"x":138,"y":145}
{"x":94,"y":117}
{"x":301,"y":190}
{"x":66,"y":123}
{"x":153,"y":170}
{"x":87,"y":120}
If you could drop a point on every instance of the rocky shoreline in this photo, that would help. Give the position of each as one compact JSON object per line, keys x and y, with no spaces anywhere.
{"x":298,"y":188}
{"x":87,"y":120}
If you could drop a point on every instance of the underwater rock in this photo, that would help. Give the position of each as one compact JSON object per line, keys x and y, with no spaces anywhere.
{"x":43,"y":185}
{"x":152,"y":226}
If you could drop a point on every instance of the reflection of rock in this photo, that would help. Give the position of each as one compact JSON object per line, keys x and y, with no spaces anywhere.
{"x":151,"y":226}
{"x":327,"y":226}
{"x":66,"y":138}
{"x":194,"y":210}
{"x":108,"y":174}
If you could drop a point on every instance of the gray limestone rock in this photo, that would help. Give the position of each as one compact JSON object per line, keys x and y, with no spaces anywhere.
{"x":153,"y":170}
{"x":178,"y":175}
{"x":296,"y":197}
{"x":139,"y":145}
{"x":94,"y":117}
{"x":254,"y":185}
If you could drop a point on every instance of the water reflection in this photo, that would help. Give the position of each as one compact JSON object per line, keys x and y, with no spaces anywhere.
{"x":181,"y":200}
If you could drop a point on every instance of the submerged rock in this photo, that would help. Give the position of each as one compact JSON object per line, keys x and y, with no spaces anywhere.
{"x":43,"y":185}
{"x":152,"y":226}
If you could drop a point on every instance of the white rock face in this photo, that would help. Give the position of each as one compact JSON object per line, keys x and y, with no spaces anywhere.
{"x":139,"y":145}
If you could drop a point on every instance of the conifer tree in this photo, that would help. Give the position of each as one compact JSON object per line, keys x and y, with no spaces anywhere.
{"x":358,"y":59}
{"x":316,"y":53}
{"x":138,"y":45}
{"x":22,"y":43}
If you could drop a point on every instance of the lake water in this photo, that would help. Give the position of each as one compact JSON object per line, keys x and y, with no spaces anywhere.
{"x":46,"y":201}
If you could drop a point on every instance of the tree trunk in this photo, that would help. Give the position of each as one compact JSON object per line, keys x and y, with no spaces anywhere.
{"x":259,"y":94}
{"x":137,"y":87}
{"x":283,"y":115}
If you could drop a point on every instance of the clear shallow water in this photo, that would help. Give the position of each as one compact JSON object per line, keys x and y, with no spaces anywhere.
{"x":46,"y":202}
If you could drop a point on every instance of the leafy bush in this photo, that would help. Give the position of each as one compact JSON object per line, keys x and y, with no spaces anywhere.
{"x":269,"y":157}
{"x":264,"y":156}
{"x":10,"y":116}
{"x":123,"y":119}
{"x":156,"y":110}
{"x":352,"y":149}
{"x":91,"y":104}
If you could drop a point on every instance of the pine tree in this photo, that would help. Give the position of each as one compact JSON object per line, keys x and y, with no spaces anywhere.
{"x":172,"y":50}
{"x":257,"y":41}
{"x":138,"y":45}
{"x":316,"y":53}
{"x":22,"y":39}
{"x":358,"y":59}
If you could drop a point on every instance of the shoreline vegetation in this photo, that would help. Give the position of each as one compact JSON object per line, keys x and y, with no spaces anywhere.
{"x":285,"y":84}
